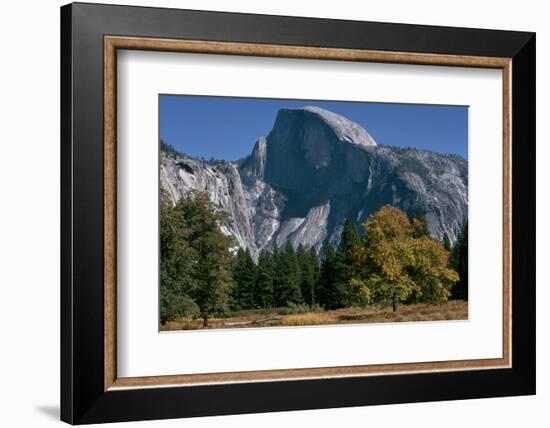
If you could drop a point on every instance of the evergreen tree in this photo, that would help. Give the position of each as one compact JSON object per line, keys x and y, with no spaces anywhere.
{"x":350,"y":237}
{"x":176,"y":266}
{"x":211,"y":263}
{"x":244,"y":277}
{"x":287,"y":277}
{"x":446,"y":242}
{"x":307,"y":275}
{"x":265,"y":279}
{"x":329,"y":292}
{"x":344,"y":264}
{"x":277,"y":268}
{"x":314,"y":263}
{"x":459,"y":262}
{"x":168,"y":148}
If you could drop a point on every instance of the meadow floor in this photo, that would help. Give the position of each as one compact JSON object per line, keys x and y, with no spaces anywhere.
{"x":453,"y":310}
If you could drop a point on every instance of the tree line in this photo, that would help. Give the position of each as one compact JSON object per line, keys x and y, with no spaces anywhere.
{"x":286,"y":276}
{"x":394,"y":260}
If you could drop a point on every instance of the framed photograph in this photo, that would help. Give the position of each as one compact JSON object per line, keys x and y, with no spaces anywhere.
{"x":267,"y":213}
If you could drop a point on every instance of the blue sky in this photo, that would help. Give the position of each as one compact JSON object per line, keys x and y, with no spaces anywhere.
{"x":227,"y":128}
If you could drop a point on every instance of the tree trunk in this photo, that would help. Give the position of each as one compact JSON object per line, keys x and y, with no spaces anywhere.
{"x":205,"y":320}
{"x":394,"y":302}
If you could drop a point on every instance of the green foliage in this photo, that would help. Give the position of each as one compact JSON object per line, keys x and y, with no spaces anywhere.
{"x":307,"y":263}
{"x":169,"y":149}
{"x":337,"y":269}
{"x":280,"y":278}
{"x":195,"y":258}
{"x":244,"y":277}
{"x":459,"y":262}
{"x":329,"y":289}
{"x":345,"y":262}
{"x":350,"y":237}
{"x":316,"y":272}
{"x":212,"y":270}
{"x":175,"y":303}
{"x":429,"y":270}
{"x":395,"y":260}
{"x":287,"y":277}
{"x":176,"y":268}
{"x":265,"y":280}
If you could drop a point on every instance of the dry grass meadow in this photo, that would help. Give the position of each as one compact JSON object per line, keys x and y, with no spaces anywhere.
{"x":453,"y":310}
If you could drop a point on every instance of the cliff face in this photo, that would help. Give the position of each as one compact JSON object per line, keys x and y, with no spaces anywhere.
{"x":221,"y":181}
{"x":314,"y":170}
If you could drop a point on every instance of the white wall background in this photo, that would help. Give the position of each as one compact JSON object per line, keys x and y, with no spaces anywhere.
{"x":29,"y":215}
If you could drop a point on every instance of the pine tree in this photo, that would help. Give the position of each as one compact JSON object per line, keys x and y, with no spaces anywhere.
{"x":307,"y":275}
{"x":287,"y":277}
{"x":277,"y":261}
{"x":244,"y":277}
{"x":265,"y":279}
{"x":314,"y":263}
{"x":328,"y":293}
{"x":459,"y":262}
{"x":350,"y":236}
{"x":344,"y":264}
{"x":212,"y":280}
{"x":294,"y":293}
{"x":176,"y":265}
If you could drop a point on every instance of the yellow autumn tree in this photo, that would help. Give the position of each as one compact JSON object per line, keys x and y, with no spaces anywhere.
{"x":394,"y":263}
{"x":430,"y":270}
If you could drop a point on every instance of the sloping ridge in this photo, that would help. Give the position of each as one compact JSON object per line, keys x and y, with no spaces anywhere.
{"x":345,"y":129}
